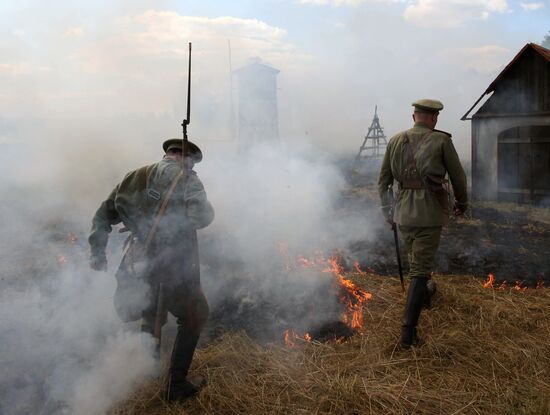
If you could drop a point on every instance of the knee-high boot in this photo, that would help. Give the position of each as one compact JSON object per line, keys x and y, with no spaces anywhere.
{"x":179,"y":387}
{"x":415,"y":300}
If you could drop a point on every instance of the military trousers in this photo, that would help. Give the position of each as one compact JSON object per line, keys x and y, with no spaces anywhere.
{"x":421,"y":245}
{"x":186,"y":302}
{"x":135,"y":296}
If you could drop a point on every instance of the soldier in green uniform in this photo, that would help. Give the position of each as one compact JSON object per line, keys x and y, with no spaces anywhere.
{"x":168,"y":197}
{"x":418,"y":160}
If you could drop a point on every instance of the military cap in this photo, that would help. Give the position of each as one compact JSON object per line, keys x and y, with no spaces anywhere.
{"x":177,"y":143}
{"x":428,"y":105}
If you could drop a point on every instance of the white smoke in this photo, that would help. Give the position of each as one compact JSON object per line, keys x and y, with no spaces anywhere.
{"x":64,"y":348}
{"x":273,"y":193}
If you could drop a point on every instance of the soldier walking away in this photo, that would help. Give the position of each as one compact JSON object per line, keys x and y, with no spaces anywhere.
{"x":162,"y":205}
{"x":419,"y":159}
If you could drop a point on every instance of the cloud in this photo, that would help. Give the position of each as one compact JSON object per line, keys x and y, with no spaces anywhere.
{"x":166,"y":25}
{"x":160,"y":38}
{"x":337,"y":3}
{"x":145,"y":56}
{"x":452,"y":13}
{"x":136,"y":63}
{"x":332,"y":2}
{"x":529,"y":7}
{"x":482,"y":59}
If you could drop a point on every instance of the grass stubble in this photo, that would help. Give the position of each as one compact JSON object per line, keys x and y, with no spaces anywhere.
{"x":484,"y":351}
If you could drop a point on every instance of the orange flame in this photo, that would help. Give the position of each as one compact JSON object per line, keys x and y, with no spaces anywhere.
{"x":289,"y":337}
{"x":353,"y":297}
{"x":504,"y":285}
{"x":333,"y":266}
{"x":305,"y":263}
{"x":519,"y":287}
{"x":490,"y":281}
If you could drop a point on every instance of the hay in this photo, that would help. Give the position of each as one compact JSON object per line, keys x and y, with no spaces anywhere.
{"x":484,"y":352}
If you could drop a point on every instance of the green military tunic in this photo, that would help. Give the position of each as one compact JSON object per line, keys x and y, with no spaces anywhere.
{"x":420,"y":212}
{"x":173,"y":254}
{"x":435,"y":156}
{"x":136,"y":199}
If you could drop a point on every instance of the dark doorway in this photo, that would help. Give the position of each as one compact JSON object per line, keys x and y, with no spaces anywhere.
{"x":524,"y":164}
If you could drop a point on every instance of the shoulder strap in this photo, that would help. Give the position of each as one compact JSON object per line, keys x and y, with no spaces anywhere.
{"x":411,"y":149}
{"x":444,"y":132}
{"x":162,"y":209}
{"x":411,"y":178}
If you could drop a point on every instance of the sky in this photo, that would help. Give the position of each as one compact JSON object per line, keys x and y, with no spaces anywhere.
{"x":82,"y":69}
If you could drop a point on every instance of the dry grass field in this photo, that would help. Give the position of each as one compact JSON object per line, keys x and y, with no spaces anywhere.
{"x":484,"y":351}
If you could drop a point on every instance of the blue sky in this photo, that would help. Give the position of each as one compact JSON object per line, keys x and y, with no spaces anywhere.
{"x":338,"y":58}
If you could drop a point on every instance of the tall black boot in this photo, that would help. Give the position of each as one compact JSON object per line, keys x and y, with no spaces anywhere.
{"x":179,"y":387}
{"x":415,"y":300}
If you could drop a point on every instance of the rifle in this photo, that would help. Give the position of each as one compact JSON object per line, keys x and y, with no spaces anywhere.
{"x":161,"y":314}
{"x":396,"y":239}
{"x":187,"y":120}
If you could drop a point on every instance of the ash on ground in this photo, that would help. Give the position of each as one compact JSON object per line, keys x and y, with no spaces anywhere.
{"x":507,"y":240}
{"x":298,"y":300}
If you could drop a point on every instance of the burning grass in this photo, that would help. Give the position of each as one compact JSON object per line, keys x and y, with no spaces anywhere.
{"x":485,"y":351}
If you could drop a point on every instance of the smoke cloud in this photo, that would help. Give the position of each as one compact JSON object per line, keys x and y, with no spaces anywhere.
{"x":64,"y":347}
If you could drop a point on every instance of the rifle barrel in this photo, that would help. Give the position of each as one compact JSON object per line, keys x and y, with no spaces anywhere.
{"x":187,"y":120}
{"x":189,"y":88}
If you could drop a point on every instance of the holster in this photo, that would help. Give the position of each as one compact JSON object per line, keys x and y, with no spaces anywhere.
{"x":438,"y":187}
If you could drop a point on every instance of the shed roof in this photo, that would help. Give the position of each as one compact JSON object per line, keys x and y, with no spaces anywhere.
{"x":545,"y":53}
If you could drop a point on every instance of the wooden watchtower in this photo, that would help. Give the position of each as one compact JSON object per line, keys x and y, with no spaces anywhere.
{"x":374,"y":144}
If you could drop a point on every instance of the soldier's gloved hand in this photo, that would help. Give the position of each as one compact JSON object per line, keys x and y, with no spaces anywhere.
{"x":98,"y":262}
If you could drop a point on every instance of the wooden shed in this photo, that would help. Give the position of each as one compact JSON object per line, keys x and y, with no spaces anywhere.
{"x":511,"y":132}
